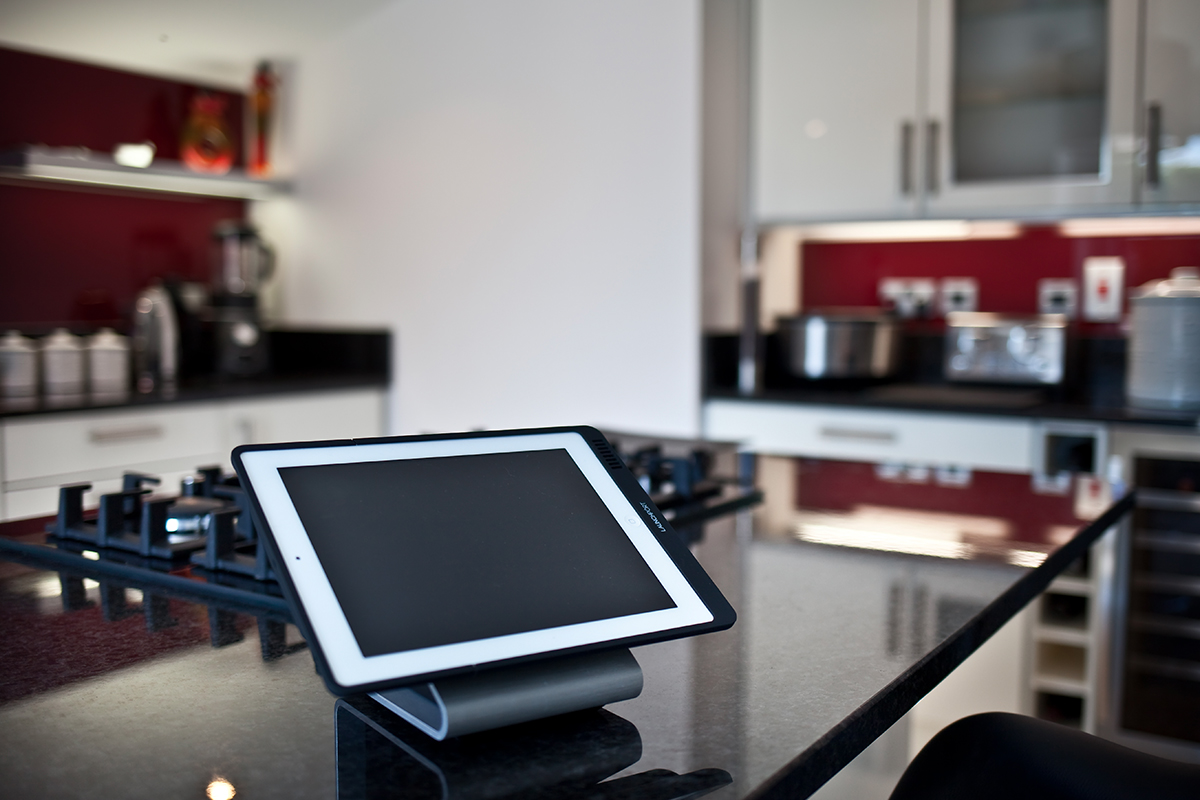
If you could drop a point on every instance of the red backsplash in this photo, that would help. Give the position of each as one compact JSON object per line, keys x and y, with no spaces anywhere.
{"x":848,"y":273}
{"x":77,"y":258}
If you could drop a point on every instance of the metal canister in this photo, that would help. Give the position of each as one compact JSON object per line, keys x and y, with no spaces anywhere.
{"x":18,"y":366}
{"x":62,"y":364}
{"x":1164,"y":343}
{"x":108,"y":365}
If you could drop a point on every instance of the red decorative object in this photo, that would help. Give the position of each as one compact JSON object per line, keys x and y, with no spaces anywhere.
{"x":207,"y":145}
{"x":262,"y":113}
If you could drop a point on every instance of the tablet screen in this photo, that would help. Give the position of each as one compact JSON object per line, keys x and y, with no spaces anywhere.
{"x":431,"y":551}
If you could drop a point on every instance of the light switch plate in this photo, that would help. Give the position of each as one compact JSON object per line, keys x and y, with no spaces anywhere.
{"x":1103,"y":288}
{"x":1058,"y":296}
{"x":958,"y":294}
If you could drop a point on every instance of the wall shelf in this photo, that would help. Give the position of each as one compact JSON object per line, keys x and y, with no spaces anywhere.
{"x":79,"y":167}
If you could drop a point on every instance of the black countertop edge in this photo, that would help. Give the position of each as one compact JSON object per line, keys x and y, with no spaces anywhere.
{"x":200,"y":392}
{"x":1045,"y":410}
{"x":837,"y":748}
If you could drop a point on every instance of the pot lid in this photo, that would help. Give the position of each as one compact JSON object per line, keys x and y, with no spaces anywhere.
{"x":1184,"y":282}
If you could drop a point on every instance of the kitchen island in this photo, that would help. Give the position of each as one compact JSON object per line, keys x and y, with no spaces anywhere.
{"x":846,"y":619}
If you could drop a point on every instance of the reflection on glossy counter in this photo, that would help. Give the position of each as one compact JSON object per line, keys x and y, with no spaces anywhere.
{"x":947,"y":512}
{"x":831,"y":646}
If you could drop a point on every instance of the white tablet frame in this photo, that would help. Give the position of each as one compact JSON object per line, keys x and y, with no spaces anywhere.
{"x":346,"y":662}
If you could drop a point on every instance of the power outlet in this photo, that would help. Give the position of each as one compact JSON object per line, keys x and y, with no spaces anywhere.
{"x":1058,"y":296}
{"x":1103,"y":288}
{"x":910,"y":297}
{"x":959,"y":294}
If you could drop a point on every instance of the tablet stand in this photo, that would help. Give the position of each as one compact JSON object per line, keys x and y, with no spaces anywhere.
{"x":507,"y":695}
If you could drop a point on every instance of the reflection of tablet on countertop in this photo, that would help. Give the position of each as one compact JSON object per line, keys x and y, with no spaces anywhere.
{"x":411,"y":558}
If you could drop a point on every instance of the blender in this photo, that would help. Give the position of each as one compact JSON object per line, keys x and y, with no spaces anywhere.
{"x":241,"y":262}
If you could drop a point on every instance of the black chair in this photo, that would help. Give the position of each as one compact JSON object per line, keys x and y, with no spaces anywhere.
{"x":1009,"y":756}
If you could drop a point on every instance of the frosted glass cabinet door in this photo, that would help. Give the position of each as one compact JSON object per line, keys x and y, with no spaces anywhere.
{"x":835,"y":117}
{"x":1031,"y":106}
{"x":1170,"y":113}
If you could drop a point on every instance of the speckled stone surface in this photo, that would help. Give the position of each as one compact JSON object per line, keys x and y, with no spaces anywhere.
{"x":833,"y":645}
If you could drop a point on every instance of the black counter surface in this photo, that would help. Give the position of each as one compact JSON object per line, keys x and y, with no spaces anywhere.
{"x":1093,"y":389}
{"x":301,"y":360}
{"x":138,"y":693}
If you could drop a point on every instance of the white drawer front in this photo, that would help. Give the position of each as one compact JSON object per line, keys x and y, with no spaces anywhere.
{"x":67,"y":444}
{"x":335,"y":415}
{"x":995,"y":443}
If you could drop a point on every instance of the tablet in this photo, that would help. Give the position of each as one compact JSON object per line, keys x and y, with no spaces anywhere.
{"x":405,"y":559}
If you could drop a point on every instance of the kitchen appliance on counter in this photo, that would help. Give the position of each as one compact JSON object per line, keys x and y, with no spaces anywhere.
{"x":995,"y":348}
{"x":1164,"y":343}
{"x":841,"y":343}
{"x":155,"y":342}
{"x":241,"y":263}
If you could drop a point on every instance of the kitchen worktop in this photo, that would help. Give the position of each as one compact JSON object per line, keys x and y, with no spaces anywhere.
{"x":1096,"y":374}
{"x":857,"y":591}
{"x":302,"y":360}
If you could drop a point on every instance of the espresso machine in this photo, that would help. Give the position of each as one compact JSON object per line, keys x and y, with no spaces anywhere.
{"x":241,"y":263}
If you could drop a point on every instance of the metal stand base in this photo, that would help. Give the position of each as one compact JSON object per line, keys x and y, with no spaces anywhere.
{"x":508,"y":695}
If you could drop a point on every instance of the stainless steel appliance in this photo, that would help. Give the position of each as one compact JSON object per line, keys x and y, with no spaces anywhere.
{"x":155,"y":341}
{"x":241,"y":262}
{"x":1164,"y":342}
{"x":841,"y":343}
{"x":987,"y":347}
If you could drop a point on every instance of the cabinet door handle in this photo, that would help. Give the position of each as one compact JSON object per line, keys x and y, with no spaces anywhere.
{"x":858,"y":435}
{"x":129,"y":433}
{"x":1153,"y":144}
{"x":933,"y":132}
{"x":906,"y":158}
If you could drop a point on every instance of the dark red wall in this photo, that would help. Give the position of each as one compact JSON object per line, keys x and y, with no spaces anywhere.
{"x":79,"y":257}
{"x":848,"y":274}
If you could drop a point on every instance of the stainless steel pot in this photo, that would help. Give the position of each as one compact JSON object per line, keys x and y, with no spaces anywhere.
{"x":1164,"y":343}
{"x":841,"y":343}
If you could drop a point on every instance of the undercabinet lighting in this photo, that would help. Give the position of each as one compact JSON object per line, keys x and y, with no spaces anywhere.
{"x":934,"y":230}
{"x":1130,"y":226}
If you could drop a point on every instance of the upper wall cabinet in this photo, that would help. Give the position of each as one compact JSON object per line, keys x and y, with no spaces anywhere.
{"x":974,"y":108}
{"x":836,"y":109}
{"x":1030,"y":106}
{"x":1170,"y":108}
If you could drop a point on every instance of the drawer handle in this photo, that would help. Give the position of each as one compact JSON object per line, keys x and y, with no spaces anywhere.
{"x":130,"y":434}
{"x":859,"y":435}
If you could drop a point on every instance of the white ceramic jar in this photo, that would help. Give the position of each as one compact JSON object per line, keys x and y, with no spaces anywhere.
{"x":108,"y":365}
{"x":62,"y":364}
{"x":18,"y":366}
{"x":1164,"y":343}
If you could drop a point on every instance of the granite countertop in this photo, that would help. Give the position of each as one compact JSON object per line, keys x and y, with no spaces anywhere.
{"x":945,"y":398}
{"x":302,"y":360}
{"x":1093,"y":392}
{"x":138,"y":692}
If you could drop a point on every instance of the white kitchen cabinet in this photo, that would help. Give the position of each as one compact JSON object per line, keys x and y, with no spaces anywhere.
{"x":341,"y":415}
{"x":1002,"y":444}
{"x":1169,"y":116}
{"x":1031,"y":109}
{"x":835,"y":109}
{"x":950,"y":108}
{"x":42,"y":452}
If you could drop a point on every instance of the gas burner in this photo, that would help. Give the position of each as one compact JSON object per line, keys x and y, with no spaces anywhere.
{"x":208,"y":524}
{"x":690,"y":480}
